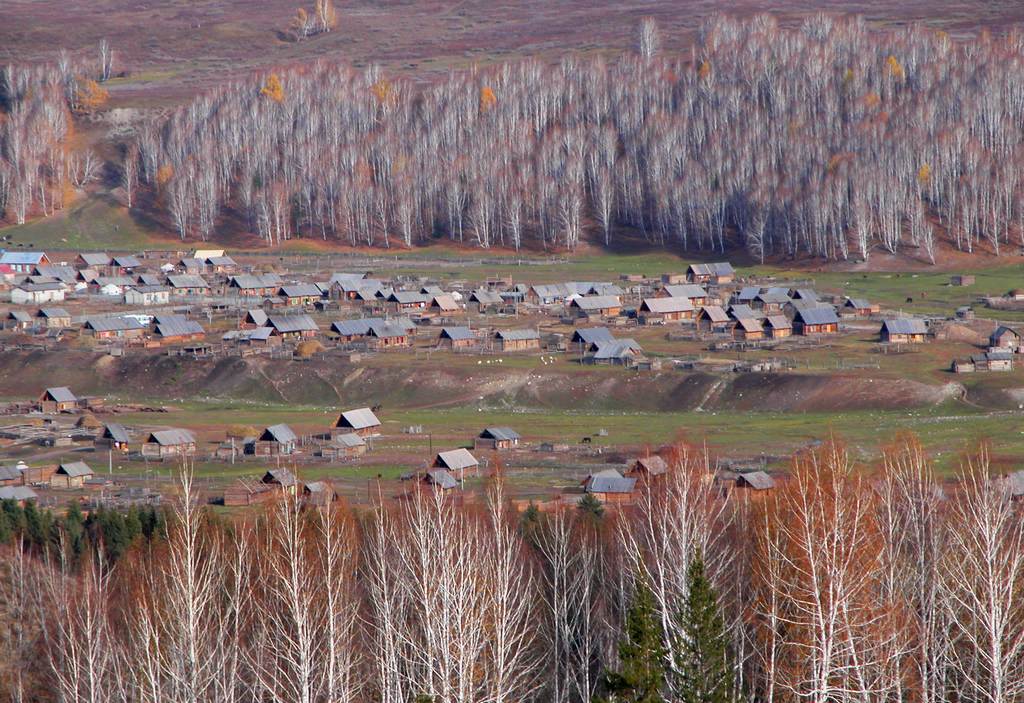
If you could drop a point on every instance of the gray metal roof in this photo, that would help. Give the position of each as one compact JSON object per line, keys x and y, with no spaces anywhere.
{"x":666,"y":305}
{"x":441,"y":478}
{"x":596,"y":302}
{"x":187,"y":280}
{"x":21,"y":258}
{"x":408,"y":297}
{"x":758,"y":480}
{"x":292,"y":323}
{"x":17,"y":493}
{"x":250,"y":280}
{"x":592,"y":335}
{"x":457,"y":333}
{"x":350,"y":439}
{"x":778,"y":322}
{"x":386,"y":329}
{"x":653,"y":464}
{"x":686,"y":290}
{"x":905,"y":325}
{"x":257,"y":316}
{"x":19,"y":315}
{"x":113,"y":324}
{"x":61,"y":394}
{"x":95,"y":258}
{"x":617,"y":349}
{"x":504,"y":434}
{"x":282,"y":476}
{"x":485,"y":297}
{"x":279,"y":433}
{"x":116,"y":432}
{"x":715,"y":313}
{"x":300,"y":290}
{"x":817,"y":316}
{"x":177,"y":326}
{"x":456,"y":460}
{"x":75,"y":469}
{"x":127,"y":261}
{"x":9,"y":473}
{"x":609,"y":481}
{"x":168,"y":438}
{"x":515,"y":335}
{"x":358,"y":419}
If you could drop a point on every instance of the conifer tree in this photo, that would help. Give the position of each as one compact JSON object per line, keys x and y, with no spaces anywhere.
{"x":641,"y":674}
{"x":703,"y":662}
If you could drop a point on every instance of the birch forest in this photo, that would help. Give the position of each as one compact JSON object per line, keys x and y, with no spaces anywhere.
{"x":830,"y":140}
{"x":839,"y":585}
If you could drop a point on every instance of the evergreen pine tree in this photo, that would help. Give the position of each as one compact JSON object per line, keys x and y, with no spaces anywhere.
{"x":591,"y":506}
{"x":703,"y":660}
{"x":641,"y":674}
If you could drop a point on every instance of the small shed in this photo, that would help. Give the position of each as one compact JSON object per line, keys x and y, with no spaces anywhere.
{"x":71,"y":475}
{"x":497,"y":438}
{"x":609,"y":486}
{"x":459,"y":461}
{"x":905,"y":330}
{"x":361,"y":421}
{"x":167,"y":444}
{"x":275,"y":440}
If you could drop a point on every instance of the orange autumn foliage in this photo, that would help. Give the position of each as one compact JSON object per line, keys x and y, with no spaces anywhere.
{"x":487,"y":98}
{"x":90,"y":95}
{"x":273,"y":88}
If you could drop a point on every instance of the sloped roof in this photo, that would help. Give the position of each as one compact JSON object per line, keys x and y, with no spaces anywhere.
{"x":456,"y":459}
{"x":441,"y":478}
{"x":653,"y":464}
{"x":258,"y":317}
{"x":187,"y":280}
{"x":858,"y":303}
{"x":817,"y":316}
{"x":282,"y":476}
{"x":749,"y":324}
{"x":905,"y":325}
{"x":387,"y":329}
{"x":21,"y":258}
{"x":444,"y":301}
{"x":502,"y":434}
{"x":116,"y":432}
{"x":515,"y":335}
{"x":61,"y":394}
{"x":666,"y":305}
{"x":485,"y":297}
{"x":592,"y":335}
{"x":617,"y":349}
{"x":17,"y":493}
{"x":250,"y":280}
{"x":408,"y":297}
{"x":292,"y":323}
{"x":596,"y":302}
{"x":686,"y":290}
{"x":178,"y":326}
{"x":605,"y":289}
{"x":172,"y":437}
{"x":75,"y":469}
{"x":715,"y":313}
{"x":113,"y":324}
{"x":279,"y":433}
{"x":609,"y":481}
{"x":457,"y":333}
{"x":778,"y":322}
{"x":300,"y":290}
{"x":19,"y":315}
{"x":95,"y":258}
{"x":127,"y":261}
{"x":350,"y":439}
{"x":758,"y":480}
{"x":718,"y":268}
{"x":358,"y":419}
{"x":9,"y":473}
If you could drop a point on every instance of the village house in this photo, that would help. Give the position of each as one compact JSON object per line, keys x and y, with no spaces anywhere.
{"x":692,"y":292}
{"x":319,"y":493}
{"x":19,"y":494}
{"x":1004,"y":338}
{"x":186,"y":284}
{"x":757,"y":481}
{"x":777,"y":327}
{"x":222,"y":264}
{"x":748,"y":329}
{"x":596,"y":306}
{"x":71,"y":475}
{"x":1000,"y":360}
{"x":859,"y":307}
{"x":293,"y":326}
{"x":673,"y":278}
{"x":408,"y":301}
{"x":444,"y":304}
{"x":177,"y":328}
{"x":23,"y":261}
{"x":813,"y":321}
{"x":713,"y":319}
{"x":437,"y":480}
{"x":770,"y":301}
{"x":38,"y":293}
{"x":388,"y":335}
{"x":114,"y":437}
{"x":110,"y":285}
{"x":745,"y":295}
{"x":11,"y":476}
{"x":497,"y":439}
{"x":275,"y":440}
{"x":253,"y":319}
{"x":485,"y":300}
{"x":609,"y":486}
{"x":244,"y":493}
{"x":282,"y":480}
{"x":18,"y":320}
{"x":805,"y":295}
{"x":457,"y":462}
{"x":964,"y":312}
{"x":343,"y":446}
{"x":63,"y":274}
{"x":255,"y":285}
{"x":299,"y":294}
{"x":98,"y":261}
{"x":54,"y":318}
{"x":517,"y":340}
{"x":341,"y":284}
{"x":622,"y":352}
{"x":114,"y":327}
{"x":58,"y":400}
{"x":361,"y":421}
{"x":168,"y":444}
{"x":659,"y":310}
{"x":588,"y":337}
{"x":457,"y":338}
{"x":125,"y":263}
{"x":738,"y":312}
{"x":647,"y":468}
{"x":147,"y":295}
{"x":549,"y":293}
{"x":903,"y":330}
{"x":717,"y":273}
